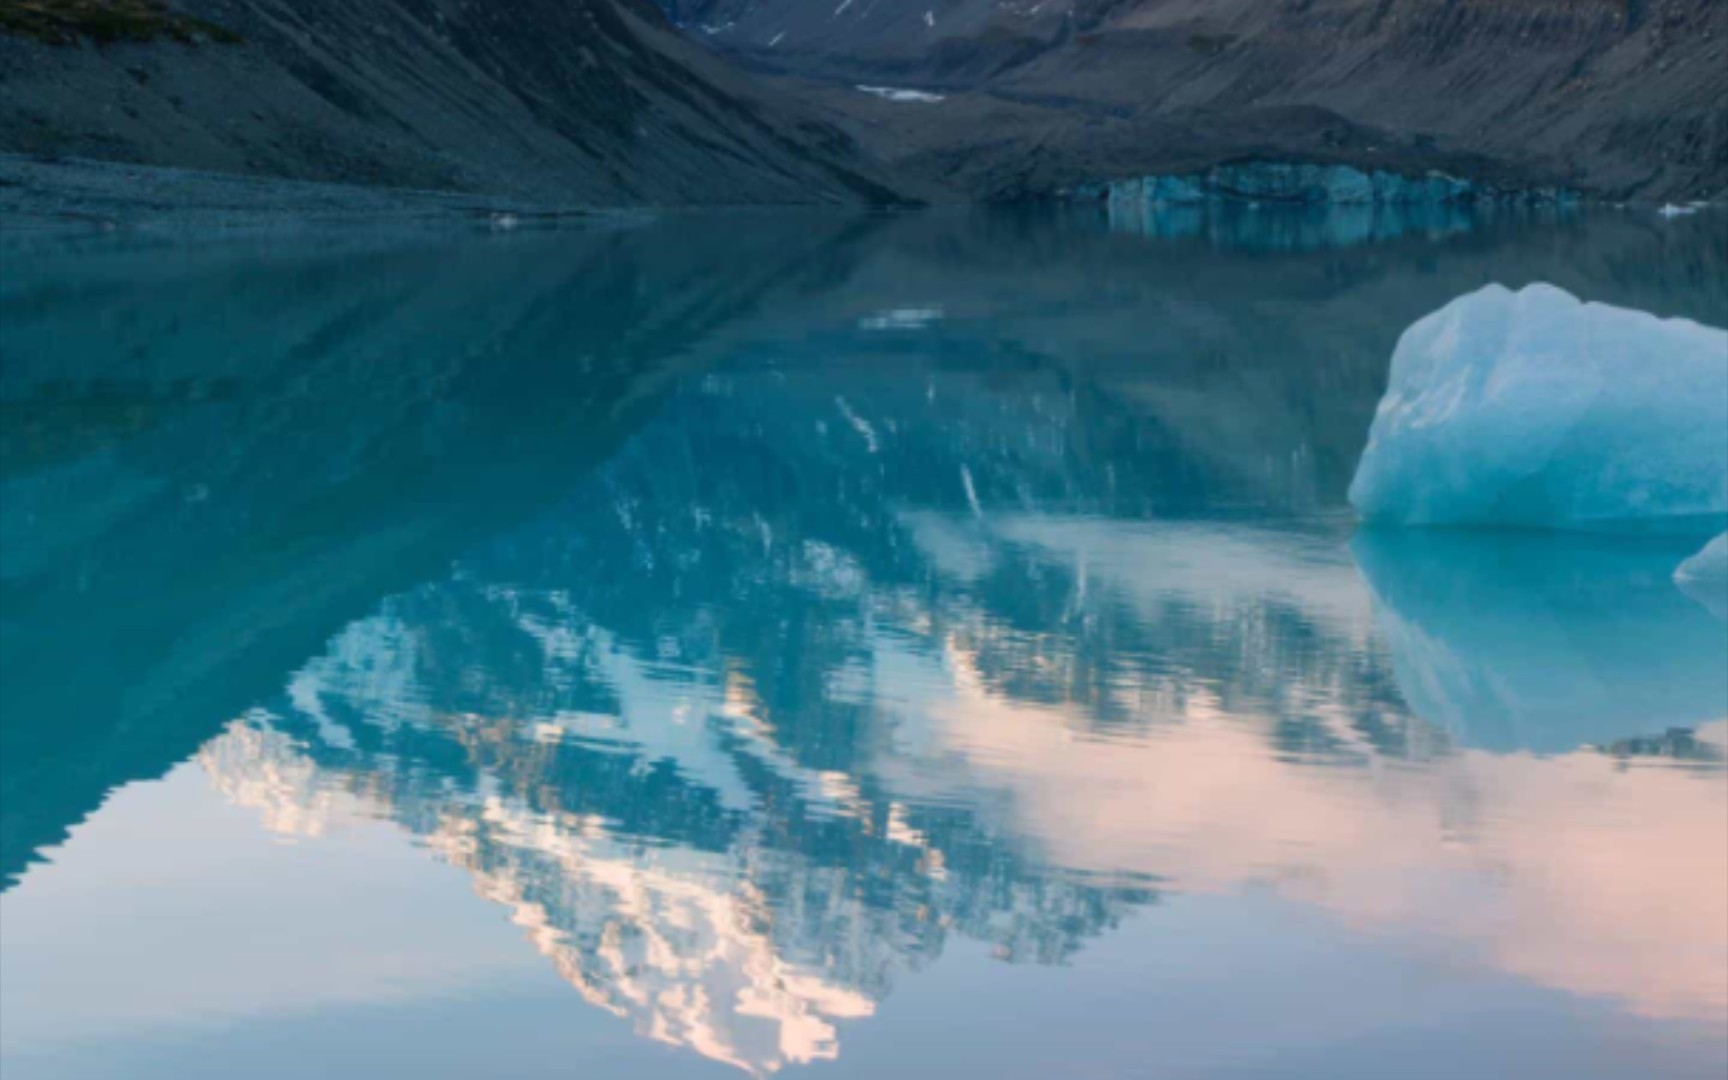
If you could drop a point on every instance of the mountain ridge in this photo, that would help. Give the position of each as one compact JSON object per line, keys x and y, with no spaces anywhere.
{"x":1615,"y":98}
{"x":720,"y":102}
{"x":594,"y":102}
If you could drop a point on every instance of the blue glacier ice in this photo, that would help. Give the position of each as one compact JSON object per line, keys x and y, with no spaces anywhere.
{"x":1281,"y":227}
{"x":1292,"y":182}
{"x":1307,"y":183}
{"x":1534,"y":409}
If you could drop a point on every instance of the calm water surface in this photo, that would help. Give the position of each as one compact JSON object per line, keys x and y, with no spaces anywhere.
{"x":923,"y":645}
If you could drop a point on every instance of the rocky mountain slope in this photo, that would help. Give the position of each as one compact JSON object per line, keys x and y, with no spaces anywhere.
{"x":1615,"y":97}
{"x":578,"y":101}
{"x":606,"y":102}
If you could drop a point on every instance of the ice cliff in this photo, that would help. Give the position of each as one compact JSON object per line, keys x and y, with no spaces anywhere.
{"x":1309,"y":184}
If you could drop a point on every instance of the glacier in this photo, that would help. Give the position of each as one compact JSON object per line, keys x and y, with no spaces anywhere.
{"x":1308,"y":183}
{"x":1534,"y":409}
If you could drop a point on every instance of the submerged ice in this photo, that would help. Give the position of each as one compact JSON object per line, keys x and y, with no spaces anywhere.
{"x":1534,"y":409}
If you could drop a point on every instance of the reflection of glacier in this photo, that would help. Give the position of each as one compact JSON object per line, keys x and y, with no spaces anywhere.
{"x":1305,"y":228}
{"x":741,"y":742}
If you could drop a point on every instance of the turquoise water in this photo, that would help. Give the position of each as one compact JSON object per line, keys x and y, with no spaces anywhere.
{"x":917,"y":645}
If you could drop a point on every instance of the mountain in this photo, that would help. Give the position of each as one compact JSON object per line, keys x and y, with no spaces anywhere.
{"x":1620,"y":98}
{"x":593,"y":102}
{"x":618,"y":102}
{"x":282,"y":435}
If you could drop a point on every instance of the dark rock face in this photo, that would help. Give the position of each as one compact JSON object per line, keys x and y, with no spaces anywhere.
{"x":582,"y":101}
{"x":1616,"y":97}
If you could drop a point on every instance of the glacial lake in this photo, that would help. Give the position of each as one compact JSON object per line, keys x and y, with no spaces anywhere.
{"x":903,"y":645}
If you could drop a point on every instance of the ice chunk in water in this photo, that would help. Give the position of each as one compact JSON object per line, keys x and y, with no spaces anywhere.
{"x":1534,"y":409}
{"x":1710,"y":564}
{"x":1704,"y":576}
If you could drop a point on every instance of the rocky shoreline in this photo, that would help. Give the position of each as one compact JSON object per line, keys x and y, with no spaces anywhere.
{"x":40,"y":196}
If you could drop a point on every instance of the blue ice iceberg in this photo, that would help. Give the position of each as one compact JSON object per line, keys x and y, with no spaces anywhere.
{"x":1533,"y":409}
{"x":1710,"y":564}
{"x":1704,"y":577}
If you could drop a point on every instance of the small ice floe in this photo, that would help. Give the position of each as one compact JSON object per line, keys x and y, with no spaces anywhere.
{"x":895,"y":93}
{"x":504,"y":221}
{"x":717,"y":28}
{"x":844,"y":4}
{"x":929,"y":18}
{"x":901,"y":319}
{"x":1669,"y":210}
{"x":776,"y":39}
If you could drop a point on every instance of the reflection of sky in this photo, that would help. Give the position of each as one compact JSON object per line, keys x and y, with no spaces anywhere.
{"x":367,"y":944}
{"x":1323,"y":921}
{"x":969,"y":707}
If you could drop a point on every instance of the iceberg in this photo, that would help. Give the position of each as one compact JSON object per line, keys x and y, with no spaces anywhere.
{"x":1704,"y":577}
{"x":1710,"y":564}
{"x":1534,"y":409}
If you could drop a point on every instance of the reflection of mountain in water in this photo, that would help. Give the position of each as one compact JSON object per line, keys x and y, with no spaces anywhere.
{"x":675,"y":865}
{"x":801,"y":683}
{"x":751,"y":638}
{"x":214,"y":458}
{"x":737,"y":847}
